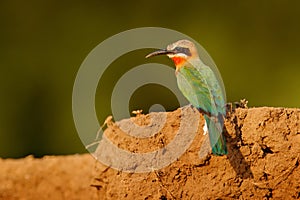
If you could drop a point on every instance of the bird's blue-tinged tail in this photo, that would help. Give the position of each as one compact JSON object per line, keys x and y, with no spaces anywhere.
{"x":216,"y":137}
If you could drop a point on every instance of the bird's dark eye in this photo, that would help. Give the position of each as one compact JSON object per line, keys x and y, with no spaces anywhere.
{"x":183,"y":50}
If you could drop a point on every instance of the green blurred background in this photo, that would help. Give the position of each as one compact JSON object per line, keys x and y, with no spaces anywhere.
{"x":254,"y":44}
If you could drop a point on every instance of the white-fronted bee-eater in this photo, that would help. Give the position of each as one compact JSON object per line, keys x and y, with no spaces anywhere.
{"x":199,"y":84}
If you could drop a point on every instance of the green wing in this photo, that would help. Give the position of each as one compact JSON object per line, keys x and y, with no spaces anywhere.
{"x":201,"y":88}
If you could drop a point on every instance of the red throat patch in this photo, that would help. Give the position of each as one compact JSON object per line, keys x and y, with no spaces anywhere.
{"x":178,"y":61}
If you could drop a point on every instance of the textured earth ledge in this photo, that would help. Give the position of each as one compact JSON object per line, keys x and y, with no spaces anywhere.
{"x":263,"y":163}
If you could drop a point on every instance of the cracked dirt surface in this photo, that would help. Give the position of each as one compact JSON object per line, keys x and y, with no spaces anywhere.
{"x":263,"y":163}
{"x":263,"y":159}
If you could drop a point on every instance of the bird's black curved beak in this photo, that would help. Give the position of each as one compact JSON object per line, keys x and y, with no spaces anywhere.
{"x":160,"y":52}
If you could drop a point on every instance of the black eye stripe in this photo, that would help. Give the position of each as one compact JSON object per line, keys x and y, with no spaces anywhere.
{"x":183,"y":50}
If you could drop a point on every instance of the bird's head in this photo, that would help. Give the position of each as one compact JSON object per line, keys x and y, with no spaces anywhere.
{"x":180,"y":52}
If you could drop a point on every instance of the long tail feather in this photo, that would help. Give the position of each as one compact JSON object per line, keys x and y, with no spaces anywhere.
{"x":216,"y":137}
